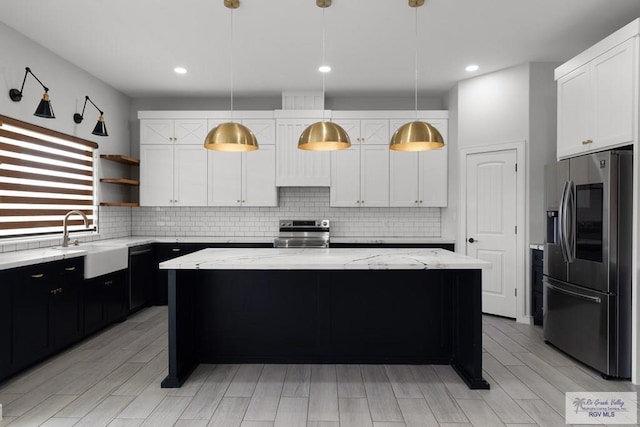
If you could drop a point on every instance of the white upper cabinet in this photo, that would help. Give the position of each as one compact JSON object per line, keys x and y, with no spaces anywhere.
{"x":156,"y":175}
{"x":360,"y":174}
{"x":598,"y":95}
{"x":173,"y":162}
{"x":245,"y":179}
{"x":169,"y":131}
{"x":173,"y":175}
{"x":419,"y":179}
{"x":299,"y":168}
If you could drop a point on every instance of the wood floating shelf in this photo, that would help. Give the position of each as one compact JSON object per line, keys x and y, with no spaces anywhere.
{"x":121,"y":204}
{"x":121,"y":159}
{"x":125,"y":181}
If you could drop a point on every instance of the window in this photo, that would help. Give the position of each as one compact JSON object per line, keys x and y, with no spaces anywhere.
{"x":43,"y":175}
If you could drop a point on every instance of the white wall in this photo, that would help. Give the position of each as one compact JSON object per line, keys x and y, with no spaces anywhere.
{"x":494,"y":108}
{"x":542,"y":141}
{"x":449,"y":215}
{"x":68,"y":86}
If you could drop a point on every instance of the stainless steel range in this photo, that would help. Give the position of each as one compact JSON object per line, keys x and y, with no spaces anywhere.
{"x":303,"y":233}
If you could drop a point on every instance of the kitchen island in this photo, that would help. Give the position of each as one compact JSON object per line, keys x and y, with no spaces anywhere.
{"x":409,"y":306}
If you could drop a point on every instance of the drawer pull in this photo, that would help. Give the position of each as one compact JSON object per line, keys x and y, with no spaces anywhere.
{"x":108,"y":282}
{"x":175,"y":250}
{"x":38,"y":276}
{"x":69,"y":268}
{"x":587,"y":142}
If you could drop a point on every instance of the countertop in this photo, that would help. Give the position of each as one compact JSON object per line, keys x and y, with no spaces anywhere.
{"x":323,"y":259}
{"x":36,"y":256}
{"x":537,"y":246}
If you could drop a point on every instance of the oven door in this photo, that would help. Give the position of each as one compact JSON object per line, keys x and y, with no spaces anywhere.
{"x":578,"y":321}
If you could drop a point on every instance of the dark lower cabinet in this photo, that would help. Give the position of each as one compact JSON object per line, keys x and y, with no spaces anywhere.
{"x":6,"y":344}
{"x":46,"y":309}
{"x":536,"y":286}
{"x":105,"y":301}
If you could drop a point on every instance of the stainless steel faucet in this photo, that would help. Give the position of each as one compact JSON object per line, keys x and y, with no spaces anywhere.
{"x":65,"y":232}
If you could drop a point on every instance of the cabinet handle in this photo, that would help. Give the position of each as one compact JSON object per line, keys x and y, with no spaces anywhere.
{"x":175,"y":250}
{"x":60,"y":290}
{"x":69,"y":268}
{"x":37,"y":276}
{"x":108,"y":282}
{"x":587,"y":142}
{"x":53,"y":291}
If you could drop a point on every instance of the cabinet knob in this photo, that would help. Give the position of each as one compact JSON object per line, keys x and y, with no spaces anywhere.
{"x":237,"y":201}
{"x":37,"y":276}
{"x":243,"y":201}
{"x":416,"y":202}
{"x":587,"y":142}
{"x":60,"y":290}
{"x":420,"y":201}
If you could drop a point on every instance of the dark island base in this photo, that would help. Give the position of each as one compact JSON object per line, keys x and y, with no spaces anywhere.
{"x":337,"y":316}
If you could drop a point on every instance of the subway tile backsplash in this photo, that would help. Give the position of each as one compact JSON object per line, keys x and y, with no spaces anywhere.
{"x":294,"y":203}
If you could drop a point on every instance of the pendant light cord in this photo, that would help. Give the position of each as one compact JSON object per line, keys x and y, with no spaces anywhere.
{"x":416,"y":61}
{"x":231,"y":64}
{"x":323,"y":63}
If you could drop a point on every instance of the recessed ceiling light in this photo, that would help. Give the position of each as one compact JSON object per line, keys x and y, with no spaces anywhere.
{"x":324,"y":69}
{"x":180,"y":70}
{"x":471,"y":68}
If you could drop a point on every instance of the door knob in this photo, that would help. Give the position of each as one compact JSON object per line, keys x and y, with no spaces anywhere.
{"x":471,"y":240}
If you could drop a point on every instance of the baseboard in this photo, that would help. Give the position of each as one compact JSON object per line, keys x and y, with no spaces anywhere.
{"x":527,"y":320}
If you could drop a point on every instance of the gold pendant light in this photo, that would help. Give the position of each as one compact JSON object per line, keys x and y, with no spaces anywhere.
{"x":324,"y":135}
{"x":416,"y":135}
{"x":231,"y":136}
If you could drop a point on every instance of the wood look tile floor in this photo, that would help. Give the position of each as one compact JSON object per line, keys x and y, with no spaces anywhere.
{"x":113,"y":379}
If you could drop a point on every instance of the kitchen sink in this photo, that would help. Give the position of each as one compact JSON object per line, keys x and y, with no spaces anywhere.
{"x":101,"y":259}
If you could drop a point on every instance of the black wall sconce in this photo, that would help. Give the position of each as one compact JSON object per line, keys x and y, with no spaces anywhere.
{"x":44,"y":108}
{"x":100,"y":129}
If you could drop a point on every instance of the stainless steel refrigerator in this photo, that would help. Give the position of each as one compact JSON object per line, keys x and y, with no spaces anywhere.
{"x":587,"y":260}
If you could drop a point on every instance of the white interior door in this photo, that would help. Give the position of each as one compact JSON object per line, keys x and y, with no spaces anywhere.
{"x":491,"y":200}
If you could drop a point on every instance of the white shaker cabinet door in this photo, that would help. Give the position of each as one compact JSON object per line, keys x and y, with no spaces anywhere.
{"x":575,"y":112}
{"x":432,"y":171}
{"x":374,"y":132}
{"x":263,"y":129}
{"x":259,"y":177}
{"x":345,"y":177}
{"x":190,"y":175}
{"x":614,"y":79}
{"x":403,"y":179}
{"x":156,"y":131}
{"x":225,"y":183}
{"x":374,"y":175}
{"x":156,"y":175}
{"x":190,"y":132}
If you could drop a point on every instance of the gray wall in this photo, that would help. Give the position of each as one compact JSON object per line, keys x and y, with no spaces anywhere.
{"x":68,"y":85}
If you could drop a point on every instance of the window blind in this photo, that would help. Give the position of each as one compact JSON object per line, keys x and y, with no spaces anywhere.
{"x":43,"y":175}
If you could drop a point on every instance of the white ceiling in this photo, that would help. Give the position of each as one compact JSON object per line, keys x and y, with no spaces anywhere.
{"x":134,"y":45}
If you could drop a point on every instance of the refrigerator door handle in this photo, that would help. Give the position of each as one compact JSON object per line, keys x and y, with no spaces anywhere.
{"x":597,"y":300}
{"x":570,"y":230}
{"x":563,"y":219}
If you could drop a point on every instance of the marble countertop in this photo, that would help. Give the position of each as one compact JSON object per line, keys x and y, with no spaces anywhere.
{"x":36,"y":256}
{"x":323,"y":259}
